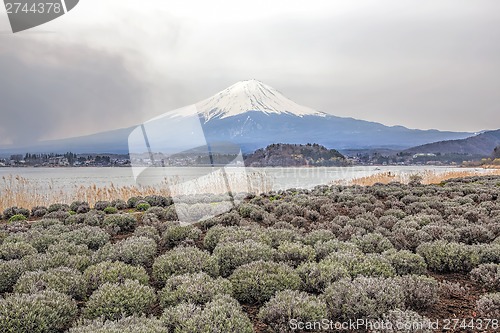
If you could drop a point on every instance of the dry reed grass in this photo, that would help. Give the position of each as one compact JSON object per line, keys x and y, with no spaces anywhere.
{"x":427,"y":177}
{"x":22,"y":192}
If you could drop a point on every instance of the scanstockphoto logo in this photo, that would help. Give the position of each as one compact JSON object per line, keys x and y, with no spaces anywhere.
{"x":27,"y":14}
{"x":216,"y":179}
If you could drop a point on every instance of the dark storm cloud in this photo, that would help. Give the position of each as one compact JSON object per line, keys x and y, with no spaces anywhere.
{"x":62,"y":89}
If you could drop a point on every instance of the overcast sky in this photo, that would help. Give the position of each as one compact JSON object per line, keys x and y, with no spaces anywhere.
{"x":115,"y":63}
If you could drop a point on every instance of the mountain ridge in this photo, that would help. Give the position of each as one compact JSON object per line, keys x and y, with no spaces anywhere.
{"x":254,"y":115}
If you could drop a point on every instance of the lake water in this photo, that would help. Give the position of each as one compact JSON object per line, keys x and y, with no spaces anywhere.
{"x":279,"y":178}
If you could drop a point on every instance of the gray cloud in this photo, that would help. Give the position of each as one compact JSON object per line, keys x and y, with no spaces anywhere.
{"x":421,"y":64}
{"x":63,"y":90}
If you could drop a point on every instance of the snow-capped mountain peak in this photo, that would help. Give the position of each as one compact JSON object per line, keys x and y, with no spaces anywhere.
{"x":250,"y":95}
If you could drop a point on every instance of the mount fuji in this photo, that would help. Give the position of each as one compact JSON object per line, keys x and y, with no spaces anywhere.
{"x":253,"y":115}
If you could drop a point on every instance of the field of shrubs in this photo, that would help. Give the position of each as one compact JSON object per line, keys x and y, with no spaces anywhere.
{"x":409,"y":254}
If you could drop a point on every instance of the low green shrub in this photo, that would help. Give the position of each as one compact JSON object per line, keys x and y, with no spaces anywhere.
{"x":18,"y":250}
{"x":39,"y":211}
{"x":17,"y":217}
{"x":231,"y":255}
{"x":362,"y":298}
{"x":143,"y":206}
{"x":110,"y":210}
{"x":258,"y":281}
{"x":182,"y":260}
{"x":45,"y":261}
{"x":442,"y":256}
{"x":132,"y":324}
{"x":119,"y":204}
{"x":69,"y":248}
{"x":320,"y":235}
{"x":290,"y":306}
{"x":44,"y":312}
{"x":197,"y":288}
{"x":113,"y":272}
{"x":62,"y":279}
{"x":115,"y":300}
{"x":58,"y":207}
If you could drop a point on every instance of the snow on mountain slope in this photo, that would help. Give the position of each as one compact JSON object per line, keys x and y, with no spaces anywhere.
{"x":251,"y":95}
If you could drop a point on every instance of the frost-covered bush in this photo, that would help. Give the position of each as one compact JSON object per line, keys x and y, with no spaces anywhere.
{"x":158,"y":200}
{"x":79,"y":207}
{"x":13,"y":211}
{"x":295,"y":253}
{"x":489,"y":253}
{"x":252,"y":212}
{"x":408,"y":238}
{"x":488,"y":306}
{"x":420,"y":292}
{"x":133,"y":250}
{"x":45,"y":224}
{"x":18,"y":250}
{"x":231,"y":255}
{"x":10,"y":271}
{"x":119,"y":204}
{"x":93,"y":237}
{"x":441,"y":232}
{"x":290,"y":305}
{"x":62,"y":279}
{"x":487,"y":275}
{"x":363,"y":297}
{"x":39,"y":211}
{"x":320,"y":235}
{"x":132,"y":324}
{"x":258,"y":281}
{"x":317,"y":276}
{"x":58,"y":207}
{"x":197,"y":288}
{"x":147,"y":231}
{"x":44,"y":312}
{"x":372,"y":243}
{"x":115,"y":300}
{"x":120,"y":223}
{"x":182,"y":260}
{"x":359,"y":264}
{"x":278,"y":236}
{"x":176,"y":235}
{"x":474,"y":234}
{"x":223,"y":314}
{"x":102,"y":205}
{"x":442,"y":256}
{"x":406,"y":262}
{"x":45,"y":261}
{"x":405,"y":322}
{"x":159,"y":212}
{"x":60,"y":215}
{"x":234,"y":234}
{"x":323,"y":249}
{"x":113,"y":272}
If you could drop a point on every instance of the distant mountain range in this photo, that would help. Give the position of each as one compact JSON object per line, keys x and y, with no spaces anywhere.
{"x":254,"y":115}
{"x":479,"y":145}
